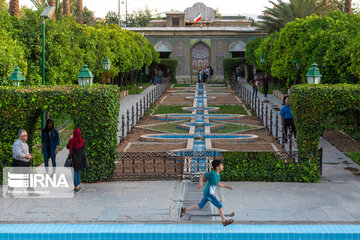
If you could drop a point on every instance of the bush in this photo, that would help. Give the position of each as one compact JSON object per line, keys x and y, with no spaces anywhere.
{"x":313,"y":104}
{"x":172,"y":65}
{"x":266,"y":166}
{"x":95,"y":110}
{"x":229,"y":65}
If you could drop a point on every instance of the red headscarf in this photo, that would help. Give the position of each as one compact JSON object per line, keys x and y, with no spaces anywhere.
{"x":76,"y":141}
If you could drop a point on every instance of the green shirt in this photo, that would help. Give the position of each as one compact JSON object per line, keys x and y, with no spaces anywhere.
{"x":212,"y":180}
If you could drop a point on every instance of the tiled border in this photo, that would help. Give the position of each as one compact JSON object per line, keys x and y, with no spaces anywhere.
{"x":178,"y":232}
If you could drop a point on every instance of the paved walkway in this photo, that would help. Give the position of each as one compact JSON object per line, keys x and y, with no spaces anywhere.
{"x":335,"y":199}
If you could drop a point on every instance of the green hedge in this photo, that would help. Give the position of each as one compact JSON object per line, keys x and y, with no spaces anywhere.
{"x":172,"y":65}
{"x":313,"y":104}
{"x":266,"y":166}
{"x":229,"y":64}
{"x":95,"y":110}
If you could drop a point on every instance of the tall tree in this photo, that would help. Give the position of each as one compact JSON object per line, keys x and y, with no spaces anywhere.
{"x":14,"y":8}
{"x":80,"y":11}
{"x":66,"y":7}
{"x":348,"y":8}
{"x":52,"y":4}
{"x":281,"y":13}
{"x":88,"y":17}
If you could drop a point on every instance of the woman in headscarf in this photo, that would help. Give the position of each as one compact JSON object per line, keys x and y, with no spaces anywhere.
{"x":49,"y":143}
{"x":76,"y":147}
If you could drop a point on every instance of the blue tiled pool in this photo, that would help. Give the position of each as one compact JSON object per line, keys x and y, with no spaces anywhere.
{"x":178,"y":232}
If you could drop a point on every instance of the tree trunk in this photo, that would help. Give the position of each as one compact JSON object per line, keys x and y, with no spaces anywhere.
{"x":325,"y":2}
{"x":14,"y":8}
{"x":52,"y":4}
{"x":348,"y":8}
{"x":356,"y":115}
{"x":66,"y":7}
{"x":80,"y":11}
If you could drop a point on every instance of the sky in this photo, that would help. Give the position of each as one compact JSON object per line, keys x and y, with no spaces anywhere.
{"x":226,"y":7}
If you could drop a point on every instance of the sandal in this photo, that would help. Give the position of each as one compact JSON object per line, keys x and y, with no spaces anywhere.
{"x":182,"y":213}
{"x":227,"y":222}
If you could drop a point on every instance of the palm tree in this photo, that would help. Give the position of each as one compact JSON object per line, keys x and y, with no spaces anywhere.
{"x":66,"y":7}
{"x":52,"y":4}
{"x":281,"y":13}
{"x":80,"y":11}
{"x":348,"y":8}
{"x":14,"y":8}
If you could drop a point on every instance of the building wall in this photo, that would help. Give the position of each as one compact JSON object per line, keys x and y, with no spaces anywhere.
{"x":181,"y":50}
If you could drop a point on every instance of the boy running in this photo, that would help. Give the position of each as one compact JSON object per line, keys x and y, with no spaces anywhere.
{"x":213,"y":179}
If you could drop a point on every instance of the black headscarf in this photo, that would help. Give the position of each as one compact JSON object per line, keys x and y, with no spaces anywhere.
{"x":47,"y":129}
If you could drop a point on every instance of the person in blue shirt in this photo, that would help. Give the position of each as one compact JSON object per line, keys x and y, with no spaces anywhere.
{"x":287,"y":119}
{"x":213,"y":180}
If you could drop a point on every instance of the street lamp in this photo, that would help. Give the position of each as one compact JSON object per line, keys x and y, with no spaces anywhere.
{"x":85,"y":77}
{"x":47,"y":13}
{"x":106,"y":66}
{"x":296,"y":64}
{"x":262,"y":58}
{"x":314,"y":76}
{"x":16,"y":76}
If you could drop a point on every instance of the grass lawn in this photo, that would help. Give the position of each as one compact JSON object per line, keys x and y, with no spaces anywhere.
{"x":230,"y":109}
{"x":355,"y":156}
{"x":162,"y":109}
{"x":182,"y":85}
{"x":169,"y":127}
{"x":230,"y":127}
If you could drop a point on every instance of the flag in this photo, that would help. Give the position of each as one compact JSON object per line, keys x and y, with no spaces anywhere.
{"x":197,"y":18}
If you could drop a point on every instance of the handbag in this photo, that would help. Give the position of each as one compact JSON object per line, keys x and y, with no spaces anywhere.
{"x":68,"y":162}
{"x":85,"y":162}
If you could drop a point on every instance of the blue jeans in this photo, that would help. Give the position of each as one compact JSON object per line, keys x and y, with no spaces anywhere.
{"x":46,"y":161}
{"x":255,"y":92}
{"x":160,"y":79}
{"x":212,"y":199}
{"x":155,"y":80}
{"x":76,"y":178}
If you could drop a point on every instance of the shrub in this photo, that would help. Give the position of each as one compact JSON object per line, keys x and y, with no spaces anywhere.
{"x":95,"y":110}
{"x":266,"y":166}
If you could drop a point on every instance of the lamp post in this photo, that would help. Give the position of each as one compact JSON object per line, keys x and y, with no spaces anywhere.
{"x":47,"y":13}
{"x":106,"y":66}
{"x":314,"y":75}
{"x":262,"y":59}
{"x":85,"y":77}
{"x":137,"y":82}
{"x":16,"y":77}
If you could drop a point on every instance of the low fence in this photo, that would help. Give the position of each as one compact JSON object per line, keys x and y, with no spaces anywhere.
{"x":268,"y":117}
{"x":138,"y":110}
{"x":138,"y":166}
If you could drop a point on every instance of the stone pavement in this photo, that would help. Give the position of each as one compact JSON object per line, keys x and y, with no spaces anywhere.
{"x":335,"y":199}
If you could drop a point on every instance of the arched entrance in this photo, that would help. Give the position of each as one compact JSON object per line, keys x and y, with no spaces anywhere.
{"x":200,"y":57}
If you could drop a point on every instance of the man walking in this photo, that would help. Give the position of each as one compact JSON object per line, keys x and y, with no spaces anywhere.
{"x":265,"y":82}
{"x":287,"y":119}
{"x":21,"y":158}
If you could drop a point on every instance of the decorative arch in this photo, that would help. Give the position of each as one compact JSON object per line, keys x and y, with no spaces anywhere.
{"x":163,"y":46}
{"x":200,"y":57}
{"x":238,"y":46}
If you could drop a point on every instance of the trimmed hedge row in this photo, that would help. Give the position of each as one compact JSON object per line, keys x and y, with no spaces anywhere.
{"x":95,"y":110}
{"x":266,"y":166}
{"x":313,"y":104}
{"x":229,"y":64}
{"x":172,"y":65}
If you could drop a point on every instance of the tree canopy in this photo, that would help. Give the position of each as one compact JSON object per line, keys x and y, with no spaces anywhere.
{"x":69,"y":45}
{"x":332,"y":41}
